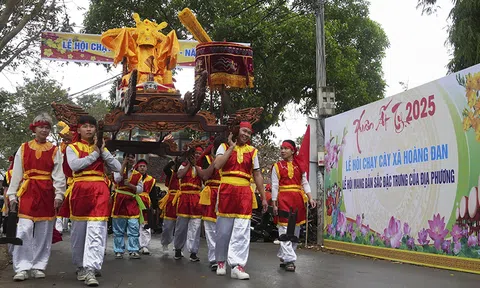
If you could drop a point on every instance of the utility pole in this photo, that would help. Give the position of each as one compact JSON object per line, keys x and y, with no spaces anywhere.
{"x":325,"y":102}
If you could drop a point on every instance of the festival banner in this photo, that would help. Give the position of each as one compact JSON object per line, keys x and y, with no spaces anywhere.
{"x":402,"y":175}
{"x":88,"y":48}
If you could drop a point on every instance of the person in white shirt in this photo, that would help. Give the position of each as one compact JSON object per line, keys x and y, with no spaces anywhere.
{"x":238,"y":163}
{"x":89,"y":200}
{"x":36,"y":192}
{"x":290,"y":189}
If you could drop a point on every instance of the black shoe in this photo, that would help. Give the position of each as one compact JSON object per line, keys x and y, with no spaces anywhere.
{"x":178,"y":254}
{"x":213,"y":266}
{"x":194,"y":258}
{"x":290,"y":266}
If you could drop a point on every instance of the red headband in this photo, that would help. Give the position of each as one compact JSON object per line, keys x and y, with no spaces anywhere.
{"x":200,"y":149}
{"x":289,"y":146}
{"x":245,"y":124}
{"x":39,"y":123}
{"x":140,"y":162}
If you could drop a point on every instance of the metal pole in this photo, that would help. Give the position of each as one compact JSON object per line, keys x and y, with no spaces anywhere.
{"x":321,"y":81}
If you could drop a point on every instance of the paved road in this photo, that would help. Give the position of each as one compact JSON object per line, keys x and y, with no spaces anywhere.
{"x":314,"y":269}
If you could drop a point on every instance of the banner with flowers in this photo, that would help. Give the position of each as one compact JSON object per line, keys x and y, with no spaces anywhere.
{"x":88,"y":48}
{"x":403,"y":172}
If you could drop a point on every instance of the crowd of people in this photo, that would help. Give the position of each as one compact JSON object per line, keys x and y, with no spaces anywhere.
{"x":84,"y":182}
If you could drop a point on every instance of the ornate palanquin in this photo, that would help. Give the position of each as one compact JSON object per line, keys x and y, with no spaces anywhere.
{"x":146,"y":97}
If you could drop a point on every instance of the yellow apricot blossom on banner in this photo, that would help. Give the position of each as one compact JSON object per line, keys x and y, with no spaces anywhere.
{"x":471,"y":113}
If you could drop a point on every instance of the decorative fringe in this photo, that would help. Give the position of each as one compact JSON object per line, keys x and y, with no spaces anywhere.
{"x":217,"y":80}
{"x":191,"y":23}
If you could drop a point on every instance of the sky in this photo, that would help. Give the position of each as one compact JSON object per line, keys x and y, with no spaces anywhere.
{"x":417,"y":55}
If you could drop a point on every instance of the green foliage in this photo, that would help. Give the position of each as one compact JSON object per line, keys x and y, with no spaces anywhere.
{"x":463,"y":33}
{"x":282,"y":35}
{"x":18,"y":109}
{"x":94,"y":105}
{"x":21,"y":23}
{"x":268,"y":154}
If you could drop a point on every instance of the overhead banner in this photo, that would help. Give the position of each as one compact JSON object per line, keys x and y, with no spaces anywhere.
{"x":402,"y":175}
{"x":88,"y":48}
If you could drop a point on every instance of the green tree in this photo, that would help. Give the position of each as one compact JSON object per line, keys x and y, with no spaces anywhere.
{"x":18,"y":109}
{"x":268,"y":154}
{"x":282,"y":35}
{"x":463,"y":32}
{"x":94,"y":105}
{"x":21,"y":23}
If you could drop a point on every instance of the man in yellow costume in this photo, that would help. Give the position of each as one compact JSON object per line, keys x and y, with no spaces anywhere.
{"x":146,"y":49}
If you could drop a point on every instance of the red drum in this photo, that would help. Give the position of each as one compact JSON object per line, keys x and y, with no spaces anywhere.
{"x":229,"y":65}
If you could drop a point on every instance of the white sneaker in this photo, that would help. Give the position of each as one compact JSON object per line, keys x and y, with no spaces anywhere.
{"x":90,"y":279}
{"x":37,"y":274}
{"x":221,"y":269}
{"x":239,"y":273}
{"x":165,"y":249}
{"x":21,"y":276}
{"x":81,"y":274}
{"x":276,"y":242}
{"x":145,"y":251}
{"x":118,"y":255}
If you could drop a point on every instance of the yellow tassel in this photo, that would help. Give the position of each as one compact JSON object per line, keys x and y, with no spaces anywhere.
{"x":305,"y":197}
{"x":175,"y":199}
{"x":162,"y":203}
{"x":254,"y":201}
{"x":191,"y":23}
{"x":205,"y":196}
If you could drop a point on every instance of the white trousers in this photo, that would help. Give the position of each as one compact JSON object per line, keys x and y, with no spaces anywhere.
{"x":145,"y":236}
{"x":37,"y":244}
{"x":167,"y":231}
{"x":232,"y":240}
{"x":88,"y":240}
{"x":210,"y":235}
{"x":287,"y":248}
{"x":187,"y":231}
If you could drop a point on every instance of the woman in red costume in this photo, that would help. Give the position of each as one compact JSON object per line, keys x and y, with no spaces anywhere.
{"x":37,"y":187}
{"x":289,"y":190}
